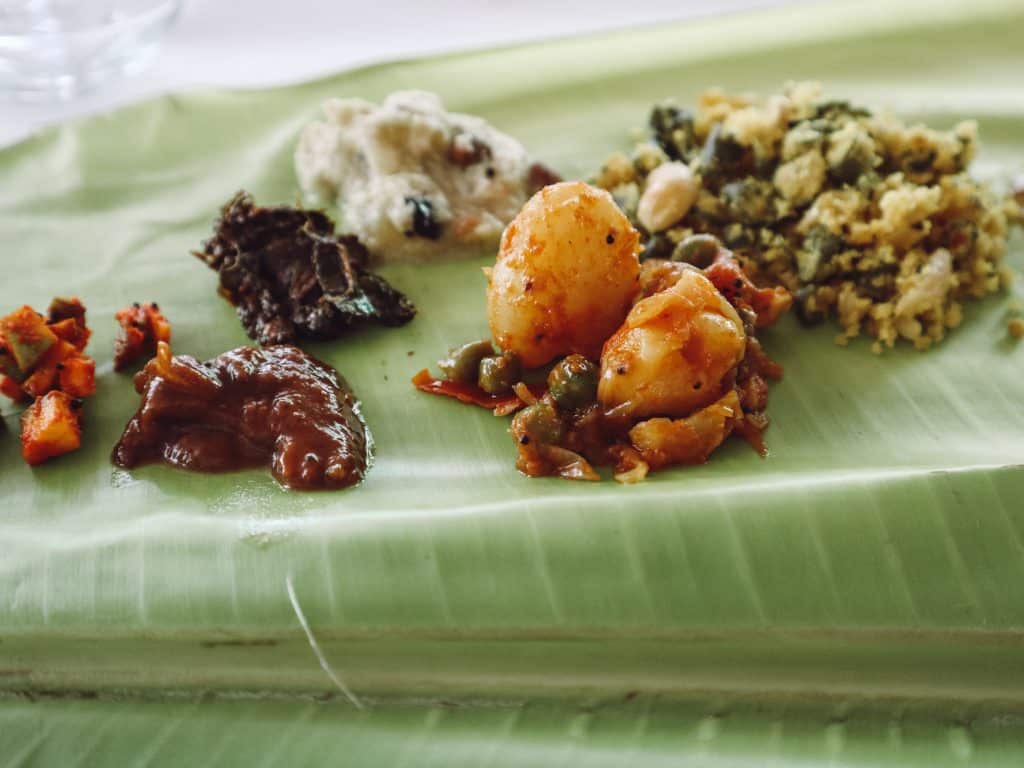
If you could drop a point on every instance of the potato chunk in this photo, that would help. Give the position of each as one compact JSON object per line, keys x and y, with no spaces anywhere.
{"x":673,"y":352}
{"x":565,"y":277}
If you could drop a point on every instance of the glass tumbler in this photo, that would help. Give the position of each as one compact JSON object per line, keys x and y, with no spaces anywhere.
{"x":55,"y":49}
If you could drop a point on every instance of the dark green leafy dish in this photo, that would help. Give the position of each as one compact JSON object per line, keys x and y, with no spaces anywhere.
{"x":290,"y":277}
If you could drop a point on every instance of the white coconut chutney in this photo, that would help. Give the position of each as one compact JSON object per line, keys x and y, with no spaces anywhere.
{"x":413,"y":181}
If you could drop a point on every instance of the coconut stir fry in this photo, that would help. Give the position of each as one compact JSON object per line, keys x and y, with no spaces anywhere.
{"x":633,"y":366}
{"x":866,"y":219}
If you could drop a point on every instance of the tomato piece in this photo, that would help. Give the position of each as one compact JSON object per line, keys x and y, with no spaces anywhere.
{"x":469,"y":393}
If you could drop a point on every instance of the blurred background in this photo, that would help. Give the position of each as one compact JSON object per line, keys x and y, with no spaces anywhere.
{"x":61,"y":59}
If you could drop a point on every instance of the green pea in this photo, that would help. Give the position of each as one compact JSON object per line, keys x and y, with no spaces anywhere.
{"x":463,"y":363}
{"x":497,"y":373}
{"x":573,"y":382}
{"x":538,"y":423}
{"x":656,"y":247}
{"x":699,"y":250}
{"x":807,"y":311}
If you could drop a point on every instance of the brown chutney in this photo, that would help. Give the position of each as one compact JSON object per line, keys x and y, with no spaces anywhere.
{"x":244,"y":408}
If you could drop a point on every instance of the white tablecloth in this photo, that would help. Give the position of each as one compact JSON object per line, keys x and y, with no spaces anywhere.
{"x":252,"y":43}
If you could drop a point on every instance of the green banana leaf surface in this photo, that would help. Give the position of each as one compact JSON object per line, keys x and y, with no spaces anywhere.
{"x":868,"y":572}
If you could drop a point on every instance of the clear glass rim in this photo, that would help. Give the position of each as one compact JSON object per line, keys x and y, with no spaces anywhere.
{"x":160,"y":10}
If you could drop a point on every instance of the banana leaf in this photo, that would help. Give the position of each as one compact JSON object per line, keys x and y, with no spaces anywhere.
{"x":873,"y":561}
{"x":596,"y":733}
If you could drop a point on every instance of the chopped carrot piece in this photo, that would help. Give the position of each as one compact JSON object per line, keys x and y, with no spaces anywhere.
{"x":47,"y":371}
{"x":78,"y":377}
{"x":43,"y":379}
{"x":71,"y":331}
{"x":71,"y":309}
{"x":50,"y":427}
{"x":12,"y":389}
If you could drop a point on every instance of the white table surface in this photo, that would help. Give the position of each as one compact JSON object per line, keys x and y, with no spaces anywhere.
{"x":253,"y":43}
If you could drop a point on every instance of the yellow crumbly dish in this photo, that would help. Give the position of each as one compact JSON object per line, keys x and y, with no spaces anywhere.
{"x":864,"y":218}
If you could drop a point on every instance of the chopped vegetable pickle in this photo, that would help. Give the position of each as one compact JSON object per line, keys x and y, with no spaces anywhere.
{"x":43,"y":361}
{"x":141,"y":327}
